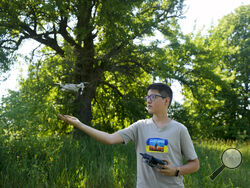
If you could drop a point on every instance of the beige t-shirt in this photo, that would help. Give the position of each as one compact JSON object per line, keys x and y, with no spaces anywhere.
{"x":171,"y":142}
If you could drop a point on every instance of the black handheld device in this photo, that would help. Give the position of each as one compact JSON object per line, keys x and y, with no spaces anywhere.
{"x":152,"y":161}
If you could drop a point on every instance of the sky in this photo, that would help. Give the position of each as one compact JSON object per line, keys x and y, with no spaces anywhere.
{"x":207,"y":12}
{"x":202,"y":13}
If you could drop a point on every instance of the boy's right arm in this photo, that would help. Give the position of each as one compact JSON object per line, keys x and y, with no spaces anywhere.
{"x":101,"y":136}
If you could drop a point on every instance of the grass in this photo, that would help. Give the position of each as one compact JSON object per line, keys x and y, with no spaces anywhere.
{"x":209,"y":153}
{"x":67,"y":162}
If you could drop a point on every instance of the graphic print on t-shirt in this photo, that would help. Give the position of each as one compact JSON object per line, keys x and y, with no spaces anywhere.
{"x":157,"y":145}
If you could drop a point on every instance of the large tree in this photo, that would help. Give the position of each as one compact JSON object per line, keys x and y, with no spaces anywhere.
{"x":100,"y":34}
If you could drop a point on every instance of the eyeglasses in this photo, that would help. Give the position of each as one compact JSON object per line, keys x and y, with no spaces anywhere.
{"x":153,"y":97}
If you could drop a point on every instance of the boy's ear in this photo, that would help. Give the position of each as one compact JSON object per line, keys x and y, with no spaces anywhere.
{"x":168,"y":100}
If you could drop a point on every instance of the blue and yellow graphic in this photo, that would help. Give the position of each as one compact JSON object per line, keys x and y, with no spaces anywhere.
{"x":157,"y":145}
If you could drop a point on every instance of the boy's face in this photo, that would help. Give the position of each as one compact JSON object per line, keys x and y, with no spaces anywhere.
{"x":156,"y":103}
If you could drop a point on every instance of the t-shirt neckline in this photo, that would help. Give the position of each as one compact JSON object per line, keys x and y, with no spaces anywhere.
{"x":161,"y":128}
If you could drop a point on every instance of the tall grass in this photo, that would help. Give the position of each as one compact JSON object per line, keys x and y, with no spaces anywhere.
{"x":209,"y":153}
{"x":67,"y":162}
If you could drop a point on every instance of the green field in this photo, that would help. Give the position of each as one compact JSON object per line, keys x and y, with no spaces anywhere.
{"x":67,"y":162}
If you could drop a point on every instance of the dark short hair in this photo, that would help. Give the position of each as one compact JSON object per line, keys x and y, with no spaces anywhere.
{"x":163,"y":89}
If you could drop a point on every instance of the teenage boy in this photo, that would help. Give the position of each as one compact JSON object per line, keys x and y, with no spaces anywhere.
{"x":159,"y":136}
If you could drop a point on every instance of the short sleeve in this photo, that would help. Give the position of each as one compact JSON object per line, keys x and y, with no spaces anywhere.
{"x":187,"y":147}
{"x":130,"y":133}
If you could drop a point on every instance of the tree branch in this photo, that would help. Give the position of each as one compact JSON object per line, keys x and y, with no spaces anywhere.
{"x":42,"y":38}
{"x":63,"y":31}
{"x":15,"y":47}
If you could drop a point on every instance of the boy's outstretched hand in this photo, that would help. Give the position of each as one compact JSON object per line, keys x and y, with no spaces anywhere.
{"x":70,"y":119}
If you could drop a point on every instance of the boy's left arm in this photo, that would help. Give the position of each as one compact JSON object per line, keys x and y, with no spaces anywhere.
{"x":190,"y":167}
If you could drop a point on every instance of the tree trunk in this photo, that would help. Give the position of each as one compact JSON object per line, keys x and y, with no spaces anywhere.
{"x":85,"y":71}
{"x":82,"y":107}
{"x":85,"y":67}
{"x":83,"y":104}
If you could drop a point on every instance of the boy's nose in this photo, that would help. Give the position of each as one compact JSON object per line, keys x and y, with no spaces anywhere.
{"x":149,"y":101}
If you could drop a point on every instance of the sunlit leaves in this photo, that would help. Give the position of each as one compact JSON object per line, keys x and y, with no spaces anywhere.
{"x":214,"y":72}
{"x":90,"y":41}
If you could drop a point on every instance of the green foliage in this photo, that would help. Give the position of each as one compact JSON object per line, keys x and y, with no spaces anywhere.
{"x":102,"y":36}
{"x":120,"y":102}
{"x":223,"y":86}
{"x":214,"y":72}
{"x":32,"y":110}
{"x":179,"y":113}
{"x":4,"y":61}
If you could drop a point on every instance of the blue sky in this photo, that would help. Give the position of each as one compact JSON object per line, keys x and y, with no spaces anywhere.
{"x":202,"y":13}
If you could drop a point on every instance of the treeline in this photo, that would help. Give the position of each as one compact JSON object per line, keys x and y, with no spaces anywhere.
{"x":107,"y":52}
